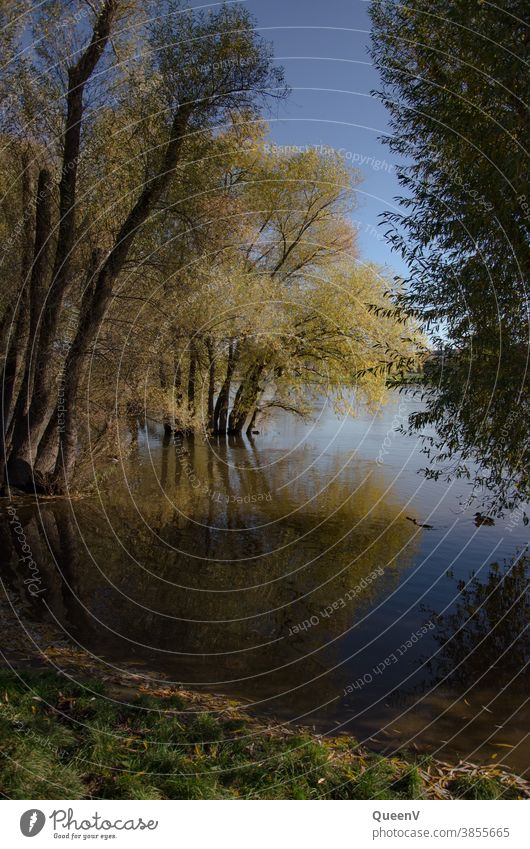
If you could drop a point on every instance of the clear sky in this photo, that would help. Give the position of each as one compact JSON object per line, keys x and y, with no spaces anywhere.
{"x":322,"y":45}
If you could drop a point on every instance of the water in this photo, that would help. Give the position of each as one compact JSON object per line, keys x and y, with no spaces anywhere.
{"x":284,"y":570}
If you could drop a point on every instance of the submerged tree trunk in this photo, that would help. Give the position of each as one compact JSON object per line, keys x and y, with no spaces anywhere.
{"x":235,"y":407}
{"x":246,"y":398}
{"x":169,"y":424}
{"x":223,"y":399}
{"x":252,"y":422}
{"x":177,"y":381}
{"x":191,"y":376}
{"x":210,"y":423}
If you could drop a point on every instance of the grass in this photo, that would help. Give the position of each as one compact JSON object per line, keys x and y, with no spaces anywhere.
{"x":66,"y":740}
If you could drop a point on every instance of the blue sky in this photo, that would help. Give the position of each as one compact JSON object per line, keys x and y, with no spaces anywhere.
{"x":323,"y":48}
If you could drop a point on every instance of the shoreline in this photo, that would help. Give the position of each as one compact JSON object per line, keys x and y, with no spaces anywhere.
{"x":255,"y":748}
{"x":167,"y":742}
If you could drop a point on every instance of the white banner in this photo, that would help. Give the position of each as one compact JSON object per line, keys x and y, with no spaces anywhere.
{"x":262,"y":825}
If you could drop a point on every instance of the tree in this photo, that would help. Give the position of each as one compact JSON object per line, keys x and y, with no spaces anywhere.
{"x":207,"y":69}
{"x":286,"y":311}
{"x":456,"y":86}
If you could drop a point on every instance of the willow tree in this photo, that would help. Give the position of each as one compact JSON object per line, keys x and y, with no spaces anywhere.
{"x":455,"y":83}
{"x":321,"y":337}
{"x":315,"y":331}
{"x":205,"y":69}
{"x":295,"y":208}
{"x":281,"y":308}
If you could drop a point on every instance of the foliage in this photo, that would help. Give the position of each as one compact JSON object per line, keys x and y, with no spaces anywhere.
{"x":455,"y":85}
{"x":288,"y":292}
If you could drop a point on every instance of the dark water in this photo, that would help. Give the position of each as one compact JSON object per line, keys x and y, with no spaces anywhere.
{"x":284,"y":570}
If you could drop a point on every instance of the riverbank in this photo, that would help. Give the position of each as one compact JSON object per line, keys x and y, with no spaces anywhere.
{"x":72,"y":727}
{"x":62,"y":738}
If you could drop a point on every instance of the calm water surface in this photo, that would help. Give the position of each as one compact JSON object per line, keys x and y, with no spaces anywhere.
{"x":284,"y":570}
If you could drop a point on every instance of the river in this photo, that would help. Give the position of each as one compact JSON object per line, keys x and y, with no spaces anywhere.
{"x":284,"y":570}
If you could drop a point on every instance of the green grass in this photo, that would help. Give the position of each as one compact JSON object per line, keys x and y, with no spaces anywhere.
{"x":479,"y":788}
{"x":63,"y":740}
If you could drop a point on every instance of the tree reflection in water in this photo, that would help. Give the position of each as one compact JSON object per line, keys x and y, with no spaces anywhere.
{"x":202,"y":565}
{"x":487,"y":630}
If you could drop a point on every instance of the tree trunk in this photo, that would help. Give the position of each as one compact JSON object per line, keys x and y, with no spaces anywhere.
{"x":21,"y":474}
{"x":28,"y":432}
{"x":47,"y":453}
{"x":246,"y":398}
{"x":211,"y":383}
{"x":170,"y":425}
{"x":223,"y":399}
{"x":162,"y":376}
{"x":191,"y":376}
{"x":36,"y":293}
{"x":162,"y":373}
{"x":93,"y":316}
{"x":16,"y":349}
{"x":252,"y":422}
{"x":177,"y":382}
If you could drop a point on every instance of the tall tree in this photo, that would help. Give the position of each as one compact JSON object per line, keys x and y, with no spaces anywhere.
{"x":455,"y":82}
{"x":207,"y":69}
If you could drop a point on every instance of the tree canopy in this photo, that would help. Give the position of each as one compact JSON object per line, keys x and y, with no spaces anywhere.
{"x":455,"y":82}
